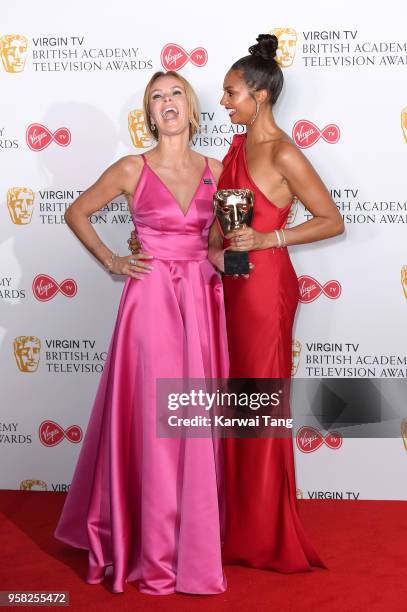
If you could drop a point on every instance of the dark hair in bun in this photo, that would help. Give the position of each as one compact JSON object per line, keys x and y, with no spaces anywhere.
{"x":260,"y":69}
{"x":266,"y":47}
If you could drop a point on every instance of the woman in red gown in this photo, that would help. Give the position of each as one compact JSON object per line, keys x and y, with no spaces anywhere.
{"x":263,"y":528}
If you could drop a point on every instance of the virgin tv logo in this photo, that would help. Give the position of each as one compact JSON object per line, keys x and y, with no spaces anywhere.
{"x":51,"y":434}
{"x":311,"y":289}
{"x":305,"y":133}
{"x":174,"y":57}
{"x":45,"y":287}
{"x":39,"y":137}
{"x":310,"y":439}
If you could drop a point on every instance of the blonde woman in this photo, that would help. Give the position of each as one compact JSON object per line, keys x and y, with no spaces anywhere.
{"x":145,"y":507}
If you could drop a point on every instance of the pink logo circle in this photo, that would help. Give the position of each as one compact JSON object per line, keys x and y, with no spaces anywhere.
{"x":310,"y":439}
{"x":38,"y":137}
{"x":51,"y":434}
{"x":306,"y":133}
{"x":45,"y":287}
{"x":311,"y":289}
{"x":174,"y":57}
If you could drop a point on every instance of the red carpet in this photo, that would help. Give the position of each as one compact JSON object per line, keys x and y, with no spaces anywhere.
{"x":364,"y":543}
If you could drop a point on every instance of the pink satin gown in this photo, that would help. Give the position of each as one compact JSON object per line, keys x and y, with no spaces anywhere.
{"x":148,"y":509}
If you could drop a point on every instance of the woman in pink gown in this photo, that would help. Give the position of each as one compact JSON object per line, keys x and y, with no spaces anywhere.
{"x":148,"y":508}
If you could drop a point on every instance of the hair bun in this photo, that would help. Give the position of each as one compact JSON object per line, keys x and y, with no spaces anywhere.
{"x":266,"y":47}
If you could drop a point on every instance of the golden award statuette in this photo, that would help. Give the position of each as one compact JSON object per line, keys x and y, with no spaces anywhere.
{"x":233,"y":209}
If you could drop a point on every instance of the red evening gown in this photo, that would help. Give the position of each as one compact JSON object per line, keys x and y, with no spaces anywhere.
{"x":263,"y":529}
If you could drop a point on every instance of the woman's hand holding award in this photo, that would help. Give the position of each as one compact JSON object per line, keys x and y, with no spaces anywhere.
{"x":233,"y":209}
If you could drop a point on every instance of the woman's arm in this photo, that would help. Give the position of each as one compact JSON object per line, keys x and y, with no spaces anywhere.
{"x":120,"y":178}
{"x":307,"y":186}
{"x":303,"y":182}
{"x":215,"y":252}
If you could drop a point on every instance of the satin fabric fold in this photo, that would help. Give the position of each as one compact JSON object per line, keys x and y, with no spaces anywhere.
{"x":149,"y":509}
{"x":263,"y":528}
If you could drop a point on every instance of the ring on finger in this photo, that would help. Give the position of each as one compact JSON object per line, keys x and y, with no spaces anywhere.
{"x":133,"y":261}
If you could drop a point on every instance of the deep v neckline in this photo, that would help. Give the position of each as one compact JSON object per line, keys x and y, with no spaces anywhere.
{"x":177,"y":204}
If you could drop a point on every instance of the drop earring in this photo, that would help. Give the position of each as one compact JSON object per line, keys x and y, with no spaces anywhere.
{"x":256,"y":113}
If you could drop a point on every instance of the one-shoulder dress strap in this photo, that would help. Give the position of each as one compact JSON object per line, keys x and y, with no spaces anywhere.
{"x":237,"y":141}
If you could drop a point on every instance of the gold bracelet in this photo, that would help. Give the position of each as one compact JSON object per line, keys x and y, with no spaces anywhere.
{"x":109,"y":263}
{"x":284,"y":240}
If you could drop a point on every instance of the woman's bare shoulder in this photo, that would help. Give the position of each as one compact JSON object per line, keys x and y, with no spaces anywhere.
{"x":285,"y":146}
{"x":285,"y":151}
{"x":129,"y":169}
{"x":130,"y":163}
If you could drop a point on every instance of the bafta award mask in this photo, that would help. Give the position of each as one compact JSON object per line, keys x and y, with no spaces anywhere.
{"x":13,"y":51}
{"x":287,"y":44}
{"x":137,"y":128}
{"x":27,"y":353}
{"x":404,"y":122}
{"x":233,"y":209}
{"x":404,"y":280}
{"x":296,"y":352}
{"x":33,"y":485}
{"x":20,"y":203}
{"x":404,"y":432}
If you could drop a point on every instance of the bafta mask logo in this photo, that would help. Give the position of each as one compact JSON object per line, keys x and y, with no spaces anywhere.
{"x":404,"y":280}
{"x":293,"y":211}
{"x":404,"y":122}
{"x":33,"y":485}
{"x":20,"y":204}
{"x":404,"y":432}
{"x":296,"y":352}
{"x":137,"y":128}
{"x":300,"y":494}
{"x":13,"y":51}
{"x":287,"y":44}
{"x":27,"y":353}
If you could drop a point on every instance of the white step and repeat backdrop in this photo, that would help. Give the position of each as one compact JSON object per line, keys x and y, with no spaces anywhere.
{"x":72,"y":77}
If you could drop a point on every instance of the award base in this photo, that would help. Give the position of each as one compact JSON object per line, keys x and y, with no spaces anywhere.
{"x":236,"y":262}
